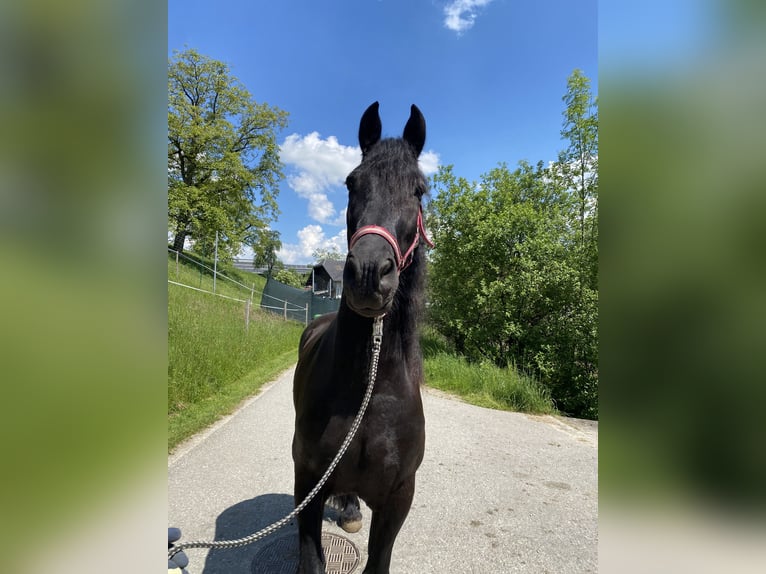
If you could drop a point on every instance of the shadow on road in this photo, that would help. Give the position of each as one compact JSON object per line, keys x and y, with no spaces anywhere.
{"x":241,"y":520}
{"x":247,"y":517}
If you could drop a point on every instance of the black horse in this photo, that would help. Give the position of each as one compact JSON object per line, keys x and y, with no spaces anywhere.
{"x":383,"y":274}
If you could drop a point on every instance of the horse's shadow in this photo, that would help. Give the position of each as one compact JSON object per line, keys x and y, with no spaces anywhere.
{"x":247,"y":517}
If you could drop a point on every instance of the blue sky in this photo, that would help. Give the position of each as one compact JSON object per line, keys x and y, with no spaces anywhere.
{"x":488,"y":76}
{"x":654,"y":36}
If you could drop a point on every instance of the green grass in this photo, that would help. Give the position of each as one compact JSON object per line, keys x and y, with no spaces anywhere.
{"x":482,"y":384}
{"x":213,"y":362}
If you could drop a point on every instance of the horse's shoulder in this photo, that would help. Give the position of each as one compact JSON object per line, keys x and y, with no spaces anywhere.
{"x":314,"y":332}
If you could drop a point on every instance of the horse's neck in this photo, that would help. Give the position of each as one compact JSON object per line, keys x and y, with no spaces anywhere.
{"x":355,"y":331}
{"x":399,"y":325}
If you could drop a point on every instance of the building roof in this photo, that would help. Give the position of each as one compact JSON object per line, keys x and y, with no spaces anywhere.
{"x":333,"y":268}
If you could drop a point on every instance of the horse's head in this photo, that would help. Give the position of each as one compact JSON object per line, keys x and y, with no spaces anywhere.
{"x":384,"y":216}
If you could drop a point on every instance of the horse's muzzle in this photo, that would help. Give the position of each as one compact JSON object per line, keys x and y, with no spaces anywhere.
{"x":370,"y":277}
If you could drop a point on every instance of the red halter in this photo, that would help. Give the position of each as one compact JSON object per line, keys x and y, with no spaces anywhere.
{"x":402,"y":261}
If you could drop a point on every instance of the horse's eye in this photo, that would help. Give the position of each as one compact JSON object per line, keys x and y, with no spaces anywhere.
{"x":352,"y":182}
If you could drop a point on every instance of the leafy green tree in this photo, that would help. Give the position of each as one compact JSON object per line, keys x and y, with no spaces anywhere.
{"x":291,"y":278}
{"x":577,"y":167}
{"x":328,"y":254}
{"x":265,"y":250}
{"x":504,"y":286}
{"x":223,"y":157}
{"x":499,"y":266}
{"x":514,"y":274}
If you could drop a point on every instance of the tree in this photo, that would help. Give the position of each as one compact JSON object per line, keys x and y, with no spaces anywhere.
{"x":503,"y":283}
{"x":577,"y":166}
{"x":328,"y":255}
{"x":291,"y":278}
{"x":514,"y":273}
{"x":223,"y":157}
{"x":265,"y":250}
{"x":500,"y":267}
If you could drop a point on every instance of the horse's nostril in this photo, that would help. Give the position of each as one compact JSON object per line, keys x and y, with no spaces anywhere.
{"x":386,"y":268}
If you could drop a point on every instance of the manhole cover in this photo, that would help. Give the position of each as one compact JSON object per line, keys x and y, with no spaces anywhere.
{"x":281,"y":555}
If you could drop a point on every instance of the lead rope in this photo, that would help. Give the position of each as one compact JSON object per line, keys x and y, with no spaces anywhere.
{"x":377,"y":340}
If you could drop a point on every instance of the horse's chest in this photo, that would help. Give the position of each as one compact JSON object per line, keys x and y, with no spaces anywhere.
{"x":388,"y":445}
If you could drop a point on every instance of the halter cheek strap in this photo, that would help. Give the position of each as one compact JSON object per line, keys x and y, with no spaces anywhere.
{"x":402,"y":261}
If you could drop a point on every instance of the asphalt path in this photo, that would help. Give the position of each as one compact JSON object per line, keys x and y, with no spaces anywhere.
{"x":497,"y":492}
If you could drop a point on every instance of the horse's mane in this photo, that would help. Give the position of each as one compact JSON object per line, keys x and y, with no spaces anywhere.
{"x":395,"y":151}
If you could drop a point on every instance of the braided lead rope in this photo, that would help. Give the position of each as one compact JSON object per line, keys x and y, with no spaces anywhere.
{"x":377,"y":340}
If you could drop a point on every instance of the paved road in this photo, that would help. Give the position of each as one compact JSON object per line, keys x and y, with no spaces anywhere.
{"x":497,"y":492}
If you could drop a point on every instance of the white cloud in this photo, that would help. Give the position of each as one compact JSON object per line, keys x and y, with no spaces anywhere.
{"x":341,"y":220}
{"x":320,"y":165}
{"x":460,"y":15}
{"x":429,"y":162}
{"x":310,"y":239}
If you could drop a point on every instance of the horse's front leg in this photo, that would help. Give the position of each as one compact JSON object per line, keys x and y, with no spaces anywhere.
{"x":386,"y":522}
{"x":311,"y":559}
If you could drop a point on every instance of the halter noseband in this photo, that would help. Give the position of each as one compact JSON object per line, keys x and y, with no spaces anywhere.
{"x":402,"y":261}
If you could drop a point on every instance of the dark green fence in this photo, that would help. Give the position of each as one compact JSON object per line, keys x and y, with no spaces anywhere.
{"x":296,"y":304}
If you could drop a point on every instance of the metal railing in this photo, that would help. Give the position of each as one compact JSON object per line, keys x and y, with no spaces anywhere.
{"x":287,"y":308}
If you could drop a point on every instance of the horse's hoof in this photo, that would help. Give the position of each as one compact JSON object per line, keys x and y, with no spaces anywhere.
{"x":351,"y":525}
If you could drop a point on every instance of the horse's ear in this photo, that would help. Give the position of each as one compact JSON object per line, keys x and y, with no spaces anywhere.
{"x":370,"y":128}
{"x":415,"y":130}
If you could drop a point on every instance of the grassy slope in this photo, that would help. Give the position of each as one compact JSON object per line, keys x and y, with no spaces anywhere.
{"x":213,"y":362}
{"x":483,"y":384}
{"x":188,"y":273}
